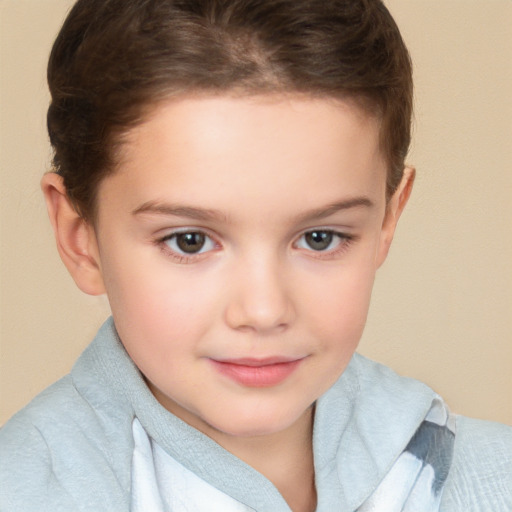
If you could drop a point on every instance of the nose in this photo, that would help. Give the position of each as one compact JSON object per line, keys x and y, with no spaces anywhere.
{"x":260,"y":300}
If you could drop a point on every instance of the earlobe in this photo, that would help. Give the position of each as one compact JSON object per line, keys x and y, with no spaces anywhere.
{"x":76,"y":239}
{"x":394,"y":209}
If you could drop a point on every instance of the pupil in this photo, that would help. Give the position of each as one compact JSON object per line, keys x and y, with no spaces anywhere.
{"x":190,"y":242}
{"x":319,"y":240}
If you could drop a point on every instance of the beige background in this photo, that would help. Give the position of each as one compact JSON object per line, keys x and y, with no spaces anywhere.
{"x":442,"y":307}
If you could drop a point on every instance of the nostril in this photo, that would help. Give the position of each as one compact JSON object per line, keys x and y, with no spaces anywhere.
{"x":259,"y":314}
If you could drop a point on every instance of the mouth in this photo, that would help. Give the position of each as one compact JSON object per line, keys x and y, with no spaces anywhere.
{"x":257,"y":373}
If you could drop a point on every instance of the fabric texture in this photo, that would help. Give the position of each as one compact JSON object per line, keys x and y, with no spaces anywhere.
{"x":417,"y":478}
{"x":414,"y":482}
{"x":73,"y":447}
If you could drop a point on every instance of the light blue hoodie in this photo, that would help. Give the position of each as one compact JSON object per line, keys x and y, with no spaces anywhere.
{"x":72,"y":447}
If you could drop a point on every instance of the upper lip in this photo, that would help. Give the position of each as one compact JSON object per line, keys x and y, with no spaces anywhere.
{"x":265,"y":361}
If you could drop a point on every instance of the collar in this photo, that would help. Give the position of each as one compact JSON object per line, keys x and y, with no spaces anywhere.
{"x":362,"y":424}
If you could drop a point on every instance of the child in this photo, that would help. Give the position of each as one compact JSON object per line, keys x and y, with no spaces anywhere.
{"x":230,"y":174}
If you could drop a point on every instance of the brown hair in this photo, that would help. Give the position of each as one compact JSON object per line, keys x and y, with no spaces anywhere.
{"x":114,"y":59}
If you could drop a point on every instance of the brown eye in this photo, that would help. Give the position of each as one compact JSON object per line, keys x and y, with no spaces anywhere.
{"x":319,"y":240}
{"x":190,"y":243}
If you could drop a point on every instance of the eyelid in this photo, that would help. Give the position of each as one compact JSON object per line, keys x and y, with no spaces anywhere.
{"x":335,"y":233}
{"x":345,"y":239}
{"x":183,"y":257}
{"x":170,"y":232}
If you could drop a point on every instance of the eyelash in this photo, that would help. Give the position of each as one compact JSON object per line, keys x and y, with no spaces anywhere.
{"x":344,"y":241}
{"x":183,"y":257}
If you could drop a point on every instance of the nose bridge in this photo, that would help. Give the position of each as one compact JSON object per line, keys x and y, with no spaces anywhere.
{"x":260,"y":299}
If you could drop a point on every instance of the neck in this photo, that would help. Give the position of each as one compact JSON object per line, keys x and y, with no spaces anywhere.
{"x":285,"y":458}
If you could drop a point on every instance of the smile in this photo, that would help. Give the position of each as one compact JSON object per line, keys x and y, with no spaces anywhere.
{"x":257,"y":373}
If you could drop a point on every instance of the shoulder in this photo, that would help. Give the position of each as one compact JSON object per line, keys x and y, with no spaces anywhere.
{"x":480,"y":478}
{"x":34,"y":426}
{"x":28,"y":445}
{"x":53,"y":452}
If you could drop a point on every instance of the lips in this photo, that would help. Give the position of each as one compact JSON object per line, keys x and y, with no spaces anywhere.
{"x":257,"y":373}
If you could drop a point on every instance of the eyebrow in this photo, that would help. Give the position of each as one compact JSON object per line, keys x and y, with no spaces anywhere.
{"x":155,"y":207}
{"x":206,"y":214}
{"x":326,"y":211}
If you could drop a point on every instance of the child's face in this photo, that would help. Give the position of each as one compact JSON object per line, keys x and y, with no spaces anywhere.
{"x":238,"y":245}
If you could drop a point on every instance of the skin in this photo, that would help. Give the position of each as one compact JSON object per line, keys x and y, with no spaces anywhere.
{"x":255,"y":175}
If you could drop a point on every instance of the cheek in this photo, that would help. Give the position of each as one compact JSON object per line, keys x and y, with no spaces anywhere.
{"x":339,"y":306}
{"x":155,"y":308}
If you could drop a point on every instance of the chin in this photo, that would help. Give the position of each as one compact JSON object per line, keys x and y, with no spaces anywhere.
{"x":258,"y":423}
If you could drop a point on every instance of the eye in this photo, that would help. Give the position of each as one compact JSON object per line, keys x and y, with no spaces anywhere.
{"x":321,"y":240}
{"x":189,"y":242}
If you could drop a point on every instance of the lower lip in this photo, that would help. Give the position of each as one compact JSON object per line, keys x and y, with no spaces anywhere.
{"x":257,"y":376}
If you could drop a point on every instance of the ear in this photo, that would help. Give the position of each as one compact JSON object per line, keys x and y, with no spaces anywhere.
{"x":394,"y":209}
{"x":76,"y":239}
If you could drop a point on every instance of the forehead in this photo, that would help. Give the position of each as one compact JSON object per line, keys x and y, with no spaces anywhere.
{"x":207,"y":149}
